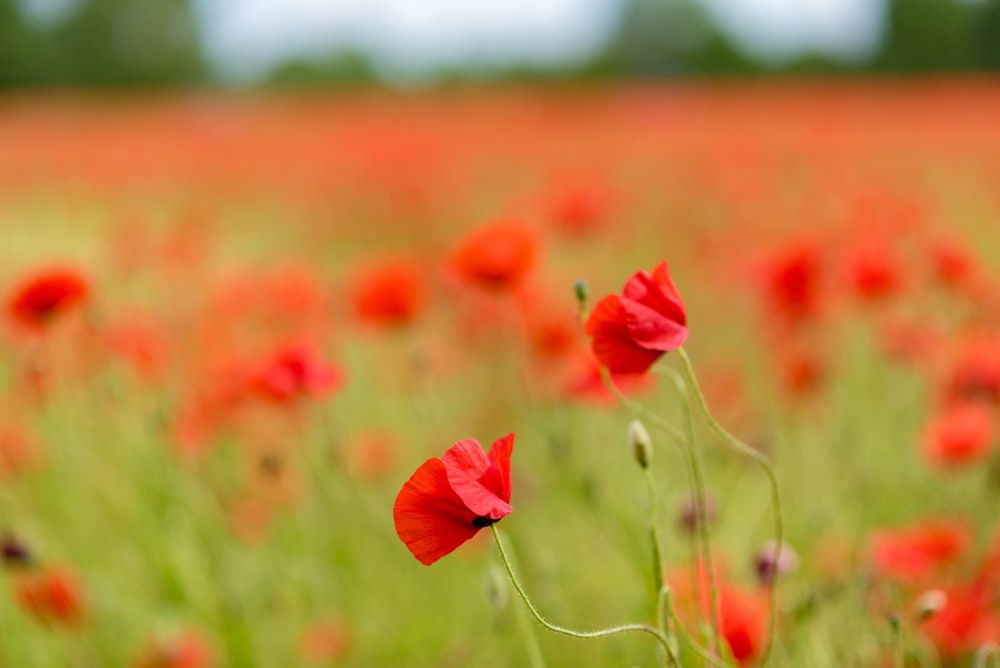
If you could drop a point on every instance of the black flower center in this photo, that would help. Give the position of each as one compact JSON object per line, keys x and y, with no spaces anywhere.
{"x":483,"y":521}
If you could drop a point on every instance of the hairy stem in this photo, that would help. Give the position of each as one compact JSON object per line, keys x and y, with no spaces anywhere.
{"x":601,"y":633}
{"x":765,"y":464}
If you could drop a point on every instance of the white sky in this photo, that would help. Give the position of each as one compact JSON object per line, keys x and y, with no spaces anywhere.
{"x":244,"y":38}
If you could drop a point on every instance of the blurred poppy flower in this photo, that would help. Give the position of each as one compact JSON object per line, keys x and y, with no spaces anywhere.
{"x":961,"y":433}
{"x":17,"y":450}
{"x":185,"y":650}
{"x":952,"y":264}
{"x":325,"y":641}
{"x":965,"y":621}
{"x":975,"y":374}
{"x":448,"y":500}
{"x":792,"y":282}
{"x":873,"y":273}
{"x":294,"y":372}
{"x":630,"y":332}
{"x":496,"y":256}
{"x":388,"y":292}
{"x":914,"y":552}
{"x":41,"y":298}
{"x":51,"y":595}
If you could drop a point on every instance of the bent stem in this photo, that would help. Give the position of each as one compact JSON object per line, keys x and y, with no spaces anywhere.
{"x":765,"y":464}
{"x":694,"y":463}
{"x":985,"y":653}
{"x":601,"y":633}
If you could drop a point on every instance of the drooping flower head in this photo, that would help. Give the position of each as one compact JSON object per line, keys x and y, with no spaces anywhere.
{"x":42,"y":297}
{"x":632,"y":330}
{"x":448,"y":500}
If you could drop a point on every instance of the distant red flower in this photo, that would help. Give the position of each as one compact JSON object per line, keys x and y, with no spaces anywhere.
{"x":389,"y":292}
{"x":966,"y":621}
{"x":51,"y":595}
{"x":792,"y":283}
{"x":325,"y":641}
{"x":975,"y":373}
{"x":743,"y":616}
{"x":952,"y":265}
{"x":803,"y":370}
{"x":873,"y":273}
{"x":295,"y":372}
{"x":917,"y":551}
{"x":186,"y":650}
{"x":496,"y":256}
{"x":577,"y":209}
{"x":17,"y":450}
{"x":43,"y":297}
{"x":448,"y":500}
{"x":960,"y":434}
{"x":630,"y":332}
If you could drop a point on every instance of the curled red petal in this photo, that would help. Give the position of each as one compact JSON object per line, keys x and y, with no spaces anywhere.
{"x":500,"y":456}
{"x":658,"y":292}
{"x":652,"y":330}
{"x":475,"y":479}
{"x":430,"y":518}
{"x":612,"y":342}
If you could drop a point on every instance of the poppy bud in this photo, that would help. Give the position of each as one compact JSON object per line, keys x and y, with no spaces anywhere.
{"x":14,"y":553}
{"x":774,"y":561}
{"x":582,"y":290}
{"x":930,"y":603}
{"x":689,"y":515}
{"x":642,"y":447}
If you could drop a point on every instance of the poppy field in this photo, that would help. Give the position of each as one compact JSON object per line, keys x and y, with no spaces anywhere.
{"x":700,"y":374}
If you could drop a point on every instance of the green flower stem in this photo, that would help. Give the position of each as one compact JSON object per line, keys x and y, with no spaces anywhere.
{"x":657,"y":553}
{"x":705,"y":654}
{"x":638,"y":408}
{"x":984,"y":655}
{"x":601,"y":633}
{"x":694,"y":463}
{"x":765,"y":464}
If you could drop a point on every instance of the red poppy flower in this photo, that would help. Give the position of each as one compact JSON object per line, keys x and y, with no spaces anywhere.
{"x":496,"y":256}
{"x":448,"y":500}
{"x":42,"y":297}
{"x":630,"y":332}
{"x":186,"y":650}
{"x":914,"y":552}
{"x":389,"y":292}
{"x":792,"y":283}
{"x":293,"y":372}
{"x":962,"y":433}
{"x":51,"y":595}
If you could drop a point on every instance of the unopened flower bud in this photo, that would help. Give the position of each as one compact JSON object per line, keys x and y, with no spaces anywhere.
{"x":771,"y":562}
{"x":582,"y":291}
{"x":930,"y":603}
{"x":642,"y":447}
{"x":15,"y":554}
{"x":690,"y":515}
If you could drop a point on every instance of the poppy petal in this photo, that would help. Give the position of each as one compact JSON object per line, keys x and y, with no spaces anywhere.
{"x":430,"y":518}
{"x":474,"y":478}
{"x":612,"y":343}
{"x":652,"y":330}
{"x":658,"y":292}
{"x":500,"y":456}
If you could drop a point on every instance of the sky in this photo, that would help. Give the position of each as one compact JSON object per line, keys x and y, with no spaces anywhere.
{"x":409,"y":38}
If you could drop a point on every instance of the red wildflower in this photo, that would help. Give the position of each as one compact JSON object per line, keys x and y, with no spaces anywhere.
{"x":186,"y":650}
{"x":630,"y":332}
{"x":964,"y":623}
{"x":792,"y":282}
{"x":961,"y":433}
{"x":873,"y":273}
{"x":17,"y":450}
{"x":496,"y":256}
{"x":51,"y":595}
{"x":448,"y":500}
{"x":577,"y":209}
{"x":44,"y":296}
{"x":325,"y":641}
{"x":389,"y":292}
{"x":976,"y":371}
{"x":914,"y":552}
{"x":293,"y":372}
{"x":743,"y":616}
{"x":952,"y":265}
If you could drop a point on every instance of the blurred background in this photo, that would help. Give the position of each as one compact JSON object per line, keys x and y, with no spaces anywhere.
{"x":405,"y":43}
